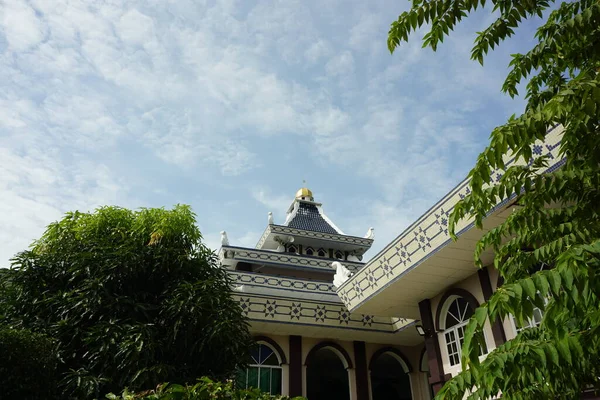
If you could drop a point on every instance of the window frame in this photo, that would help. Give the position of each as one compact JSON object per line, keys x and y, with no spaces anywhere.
{"x":458,"y":330}
{"x":258,"y":366}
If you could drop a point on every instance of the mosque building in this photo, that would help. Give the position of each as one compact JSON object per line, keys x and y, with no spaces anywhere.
{"x":332,"y":325}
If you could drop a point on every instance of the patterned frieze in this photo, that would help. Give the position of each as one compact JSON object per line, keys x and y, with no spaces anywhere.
{"x":257,"y":256}
{"x":305,"y":312}
{"x":293,"y":285}
{"x":352,"y":240}
{"x":427,"y":235}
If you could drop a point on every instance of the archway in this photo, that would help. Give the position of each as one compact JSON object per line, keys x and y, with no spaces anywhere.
{"x":454,"y":311}
{"x":424,"y":367}
{"x":264,"y":368}
{"x":326,"y":373}
{"x":389,"y":376}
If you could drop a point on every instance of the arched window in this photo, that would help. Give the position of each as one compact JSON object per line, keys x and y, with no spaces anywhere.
{"x":309,"y":251}
{"x":456,"y":318}
{"x":292,"y":249}
{"x":322,"y":253}
{"x":327,"y":366}
{"x":389,"y":375}
{"x":263,"y":372}
{"x":339,"y":255}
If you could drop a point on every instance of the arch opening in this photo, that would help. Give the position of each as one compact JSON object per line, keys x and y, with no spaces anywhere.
{"x":264,"y":370}
{"x":452,"y":318}
{"x":327,"y":376}
{"x":389,"y":378}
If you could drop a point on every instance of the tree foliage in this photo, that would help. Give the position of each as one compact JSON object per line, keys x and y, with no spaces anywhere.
{"x":133,"y":297}
{"x":557,"y":219}
{"x":28,"y":365}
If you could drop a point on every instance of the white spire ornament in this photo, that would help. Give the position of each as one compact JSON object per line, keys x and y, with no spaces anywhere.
{"x":370,"y":234}
{"x":224,"y":239}
{"x":270,"y":219}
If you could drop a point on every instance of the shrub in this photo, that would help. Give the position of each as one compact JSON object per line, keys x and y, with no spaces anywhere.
{"x":28,"y":365}
{"x":205,"y":389}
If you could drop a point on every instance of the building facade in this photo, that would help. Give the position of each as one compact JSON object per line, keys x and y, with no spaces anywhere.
{"x":310,"y":344}
{"x":360,"y":340}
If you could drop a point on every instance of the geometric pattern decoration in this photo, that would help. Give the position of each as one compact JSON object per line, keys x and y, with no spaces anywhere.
{"x":315,"y":313}
{"x":285,"y":230}
{"x":427,"y":235}
{"x":258,"y":256}
{"x":278,"y":282}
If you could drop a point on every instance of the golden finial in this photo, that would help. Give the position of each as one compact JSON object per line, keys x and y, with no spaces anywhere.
{"x":304,"y":193}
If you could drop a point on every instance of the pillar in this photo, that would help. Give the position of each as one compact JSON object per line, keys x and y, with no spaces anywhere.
{"x":486,"y":289}
{"x":295,"y":368}
{"x":362,"y":371}
{"x":434,"y":356}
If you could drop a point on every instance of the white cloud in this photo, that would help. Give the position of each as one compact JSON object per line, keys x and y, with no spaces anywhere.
{"x":22,"y":28}
{"x":340,"y":65}
{"x":369,"y":26}
{"x":118,"y":102}
{"x":275,"y":203}
{"x":135,"y":28}
{"x":317,"y":51}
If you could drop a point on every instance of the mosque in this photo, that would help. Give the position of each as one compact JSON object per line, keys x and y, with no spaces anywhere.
{"x":332,"y":325}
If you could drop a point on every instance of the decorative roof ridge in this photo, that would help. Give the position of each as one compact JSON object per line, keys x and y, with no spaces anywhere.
{"x":328,"y":260}
{"x":330,"y":222}
{"x":334,"y":234}
{"x":308,"y":215}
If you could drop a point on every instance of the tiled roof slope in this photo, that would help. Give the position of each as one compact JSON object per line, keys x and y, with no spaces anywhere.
{"x":308,"y":218}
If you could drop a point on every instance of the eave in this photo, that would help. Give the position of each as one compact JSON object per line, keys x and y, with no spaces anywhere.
{"x":423,"y":261}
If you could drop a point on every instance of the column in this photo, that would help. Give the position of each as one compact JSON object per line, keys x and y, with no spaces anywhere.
{"x":434,"y":356}
{"x":295,"y":368}
{"x":362,"y":371}
{"x":486,"y":289}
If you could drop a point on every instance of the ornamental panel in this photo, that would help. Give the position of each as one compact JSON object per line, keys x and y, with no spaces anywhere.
{"x":428,"y":234}
{"x":285,"y":259}
{"x":286,"y":230}
{"x":277,"y":282}
{"x":304,"y":312}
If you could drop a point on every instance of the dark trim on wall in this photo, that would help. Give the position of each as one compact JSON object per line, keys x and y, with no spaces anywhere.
{"x":453,"y":292}
{"x":423,"y":354}
{"x":362,"y":374}
{"x":333,"y":345}
{"x":486,"y":289}
{"x":295,"y":370}
{"x":392,"y":350}
{"x":432,"y":345}
{"x":274,"y":345}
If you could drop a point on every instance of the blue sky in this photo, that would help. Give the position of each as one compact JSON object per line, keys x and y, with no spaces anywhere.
{"x":229,"y":105}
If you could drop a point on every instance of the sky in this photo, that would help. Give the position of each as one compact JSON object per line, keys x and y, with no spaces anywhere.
{"x":229,"y":105}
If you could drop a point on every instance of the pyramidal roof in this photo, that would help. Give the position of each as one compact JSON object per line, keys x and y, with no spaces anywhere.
{"x":306,"y":214}
{"x":309,"y":218}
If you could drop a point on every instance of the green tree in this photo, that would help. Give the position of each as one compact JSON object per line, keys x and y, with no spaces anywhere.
{"x":134,"y":298}
{"x":557,"y":223}
{"x":28,"y":365}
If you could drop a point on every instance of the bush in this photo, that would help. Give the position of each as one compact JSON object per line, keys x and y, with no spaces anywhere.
{"x":205,"y":389}
{"x":28,"y":365}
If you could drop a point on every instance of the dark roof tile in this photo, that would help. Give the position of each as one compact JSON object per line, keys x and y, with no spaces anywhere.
{"x":308,"y":218}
